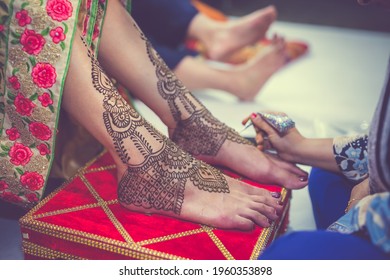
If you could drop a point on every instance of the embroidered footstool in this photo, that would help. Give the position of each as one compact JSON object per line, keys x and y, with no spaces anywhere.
{"x":83,"y":219}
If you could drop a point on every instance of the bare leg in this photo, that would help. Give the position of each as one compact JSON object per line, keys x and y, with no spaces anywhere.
{"x":190,"y":124}
{"x":154,"y":175}
{"x":244,"y":81}
{"x":221,"y":39}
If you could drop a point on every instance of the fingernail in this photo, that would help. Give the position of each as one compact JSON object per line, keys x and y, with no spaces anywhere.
{"x":254,"y":115}
{"x":275,"y":194}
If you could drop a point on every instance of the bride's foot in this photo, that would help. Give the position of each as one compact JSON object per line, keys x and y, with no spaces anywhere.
{"x":194,"y":129}
{"x":234,"y":34}
{"x":212,"y":141}
{"x":170,"y":182}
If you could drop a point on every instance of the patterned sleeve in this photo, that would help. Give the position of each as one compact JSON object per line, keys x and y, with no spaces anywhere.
{"x":351,"y":156}
{"x":371,"y":217}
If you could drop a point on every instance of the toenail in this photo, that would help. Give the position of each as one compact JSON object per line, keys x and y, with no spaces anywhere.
{"x":302,"y":179}
{"x":275,"y":194}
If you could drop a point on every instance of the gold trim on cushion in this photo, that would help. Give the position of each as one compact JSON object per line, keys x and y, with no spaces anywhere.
{"x":218,"y":243}
{"x":129,"y":247}
{"x":46,"y":253}
{"x":107,"y":210}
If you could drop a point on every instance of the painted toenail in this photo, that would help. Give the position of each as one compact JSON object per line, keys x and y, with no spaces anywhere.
{"x":302,"y":179}
{"x":275,"y":194}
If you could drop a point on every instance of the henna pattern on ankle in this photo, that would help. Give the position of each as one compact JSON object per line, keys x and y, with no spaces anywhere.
{"x":160,"y":182}
{"x":197,"y":130}
{"x":203,"y":134}
{"x":160,"y":179}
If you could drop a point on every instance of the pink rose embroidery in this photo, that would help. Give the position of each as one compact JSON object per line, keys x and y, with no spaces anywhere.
{"x":32,"y":197}
{"x":43,"y":149}
{"x":20,"y":154}
{"x":3,"y":185}
{"x":40,"y":130}
{"x":12,"y":133}
{"x":2,"y":27}
{"x":44,"y":75}
{"x":23,"y":18}
{"x":14,"y":81}
{"x":59,"y":10}
{"x":24,"y":106}
{"x":11,"y":197}
{"x":32,"y":42}
{"x":32,"y":180}
{"x":45,"y":99}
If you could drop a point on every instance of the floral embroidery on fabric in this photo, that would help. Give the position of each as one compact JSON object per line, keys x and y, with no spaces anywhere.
{"x":59,"y":10}
{"x":38,"y":49}
{"x":32,"y":42}
{"x":23,"y":18}
{"x":351,"y":156}
{"x":57,"y":34}
{"x":36,"y":36}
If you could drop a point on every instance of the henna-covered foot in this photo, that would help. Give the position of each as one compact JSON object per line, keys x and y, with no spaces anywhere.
{"x":171,"y":182}
{"x":196,"y":131}
{"x":156,"y":176}
{"x":212,"y":141}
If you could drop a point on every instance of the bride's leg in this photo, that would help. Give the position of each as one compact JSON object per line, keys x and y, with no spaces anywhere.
{"x":154,"y":175}
{"x":130,"y":58}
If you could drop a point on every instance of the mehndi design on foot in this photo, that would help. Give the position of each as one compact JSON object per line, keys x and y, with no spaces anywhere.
{"x":197,"y":130}
{"x":160,"y":182}
{"x":157,"y":180}
{"x":203,"y":134}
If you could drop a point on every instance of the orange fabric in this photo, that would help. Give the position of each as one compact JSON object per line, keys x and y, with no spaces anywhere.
{"x":209,"y":11}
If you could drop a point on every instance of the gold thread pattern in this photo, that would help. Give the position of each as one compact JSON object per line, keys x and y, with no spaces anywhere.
{"x":46,"y":253}
{"x":218,"y":243}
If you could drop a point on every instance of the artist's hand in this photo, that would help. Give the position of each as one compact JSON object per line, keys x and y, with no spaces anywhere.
{"x":285,"y":144}
{"x":359,"y":191}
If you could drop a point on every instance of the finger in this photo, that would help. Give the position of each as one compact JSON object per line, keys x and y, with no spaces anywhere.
{"x":259,"y":138}
{"x":259,"y":123}
{"x":267,"y":145}
{"x":260,"y":147}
